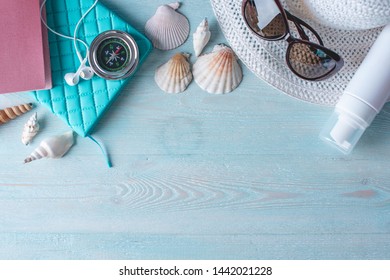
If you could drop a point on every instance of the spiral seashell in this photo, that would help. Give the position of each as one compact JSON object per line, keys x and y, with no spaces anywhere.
{"x":167,"y":29}
{"x":201,"y":37}
{"x":175,"y":75}
{"x":218,"y":72}
{"x":54,"y":147}
{"x":30,"y":129}
{"x":11,"y":113}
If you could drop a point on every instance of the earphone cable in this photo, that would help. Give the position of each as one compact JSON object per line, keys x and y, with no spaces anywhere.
{"x":75,"y":39}
{"x":75,"y":33}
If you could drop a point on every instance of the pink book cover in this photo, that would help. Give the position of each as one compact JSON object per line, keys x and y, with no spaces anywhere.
{"x":24,"y":48}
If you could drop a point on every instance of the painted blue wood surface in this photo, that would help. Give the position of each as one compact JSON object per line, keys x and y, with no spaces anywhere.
{"x":196,"y":176}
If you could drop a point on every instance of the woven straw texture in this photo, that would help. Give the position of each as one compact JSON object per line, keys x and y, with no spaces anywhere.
{"x":347,"y":14}
{"x":267,"y":59}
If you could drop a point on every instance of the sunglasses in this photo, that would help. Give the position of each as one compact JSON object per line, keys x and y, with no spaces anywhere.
{"x":306,"y":59}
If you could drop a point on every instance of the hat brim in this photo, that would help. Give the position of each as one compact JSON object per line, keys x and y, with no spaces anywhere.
{"x":266,"y":59}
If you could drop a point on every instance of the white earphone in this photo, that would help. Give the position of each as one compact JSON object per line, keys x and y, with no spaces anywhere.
{"x":84,"y":71}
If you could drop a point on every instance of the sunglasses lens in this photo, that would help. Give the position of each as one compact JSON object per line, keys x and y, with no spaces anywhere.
{"x":264,"y":18}
{"x":309,"y":61}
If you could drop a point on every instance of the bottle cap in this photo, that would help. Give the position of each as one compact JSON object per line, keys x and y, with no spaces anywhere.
{"x":342,"y":131}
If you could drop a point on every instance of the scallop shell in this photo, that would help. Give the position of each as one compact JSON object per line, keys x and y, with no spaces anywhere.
{"x":54,"y":147}
{"x":30,"y":129}
{"x":175,"y":75}
{"x":167,"y":29}
{"x":218,"y":72}
{"x":201,"y":37}
{"x":11,"y":113}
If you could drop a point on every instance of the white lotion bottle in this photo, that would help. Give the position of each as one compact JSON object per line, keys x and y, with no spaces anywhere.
{"x":363,"y":98}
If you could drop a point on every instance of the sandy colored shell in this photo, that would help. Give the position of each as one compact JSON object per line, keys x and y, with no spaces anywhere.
{"x":175,"y":75}
{"x":218,"y":72}
{"x":53,"y":147}
{"x":201,"y":37}
{"x":30,"y":129}
{"x":167,"y":29}
{"x":11,"y":113}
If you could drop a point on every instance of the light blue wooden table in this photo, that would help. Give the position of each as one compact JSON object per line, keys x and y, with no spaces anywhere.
{"x":196,"y":176}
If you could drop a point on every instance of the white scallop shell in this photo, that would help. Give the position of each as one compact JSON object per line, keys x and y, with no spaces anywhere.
{"x":30,"y":129}
{"x":175,"y":75}
{"x":53,"y":147}
{"x":167,"y":29}
{"x":201,"y":37}
{"x":218,"y":72}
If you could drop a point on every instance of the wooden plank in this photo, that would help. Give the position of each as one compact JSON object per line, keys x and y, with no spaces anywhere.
{"x":141,"y":246}
{"x":179,"y":190}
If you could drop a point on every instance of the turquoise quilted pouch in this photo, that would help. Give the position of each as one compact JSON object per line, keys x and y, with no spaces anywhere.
{"x":83,"y":105}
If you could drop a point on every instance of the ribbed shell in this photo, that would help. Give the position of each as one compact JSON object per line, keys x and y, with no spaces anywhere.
{"x":11,"y":113}
{"x":175,"y":75}
{"x":218,"y":72}
{"x":167,"y":29}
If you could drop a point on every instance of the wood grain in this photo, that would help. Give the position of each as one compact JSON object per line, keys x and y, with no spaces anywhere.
{"x":147,"y":246}
{"x":196,"y":176}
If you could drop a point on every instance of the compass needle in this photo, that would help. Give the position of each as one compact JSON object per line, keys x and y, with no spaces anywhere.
{"x":114,"y":55}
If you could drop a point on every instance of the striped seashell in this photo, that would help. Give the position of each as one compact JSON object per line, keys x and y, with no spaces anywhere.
{"x":11,"y":113}
{"x":175,"y":75}
{"x":218,"y":72}
{"x":167,"y":29}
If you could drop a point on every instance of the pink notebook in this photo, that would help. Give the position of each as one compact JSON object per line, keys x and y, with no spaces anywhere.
{"x":24,"y":50}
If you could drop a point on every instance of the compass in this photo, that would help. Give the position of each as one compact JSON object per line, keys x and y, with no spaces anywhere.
{"x":113,"y":55}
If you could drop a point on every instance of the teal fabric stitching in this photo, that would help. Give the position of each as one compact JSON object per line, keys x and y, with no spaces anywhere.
{"x":74,"y":64}
{"x":92,"y":84}
{"x":78,"y":108}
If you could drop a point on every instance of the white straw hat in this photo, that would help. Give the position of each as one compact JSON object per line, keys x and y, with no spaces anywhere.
{"x":348,"y":27}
